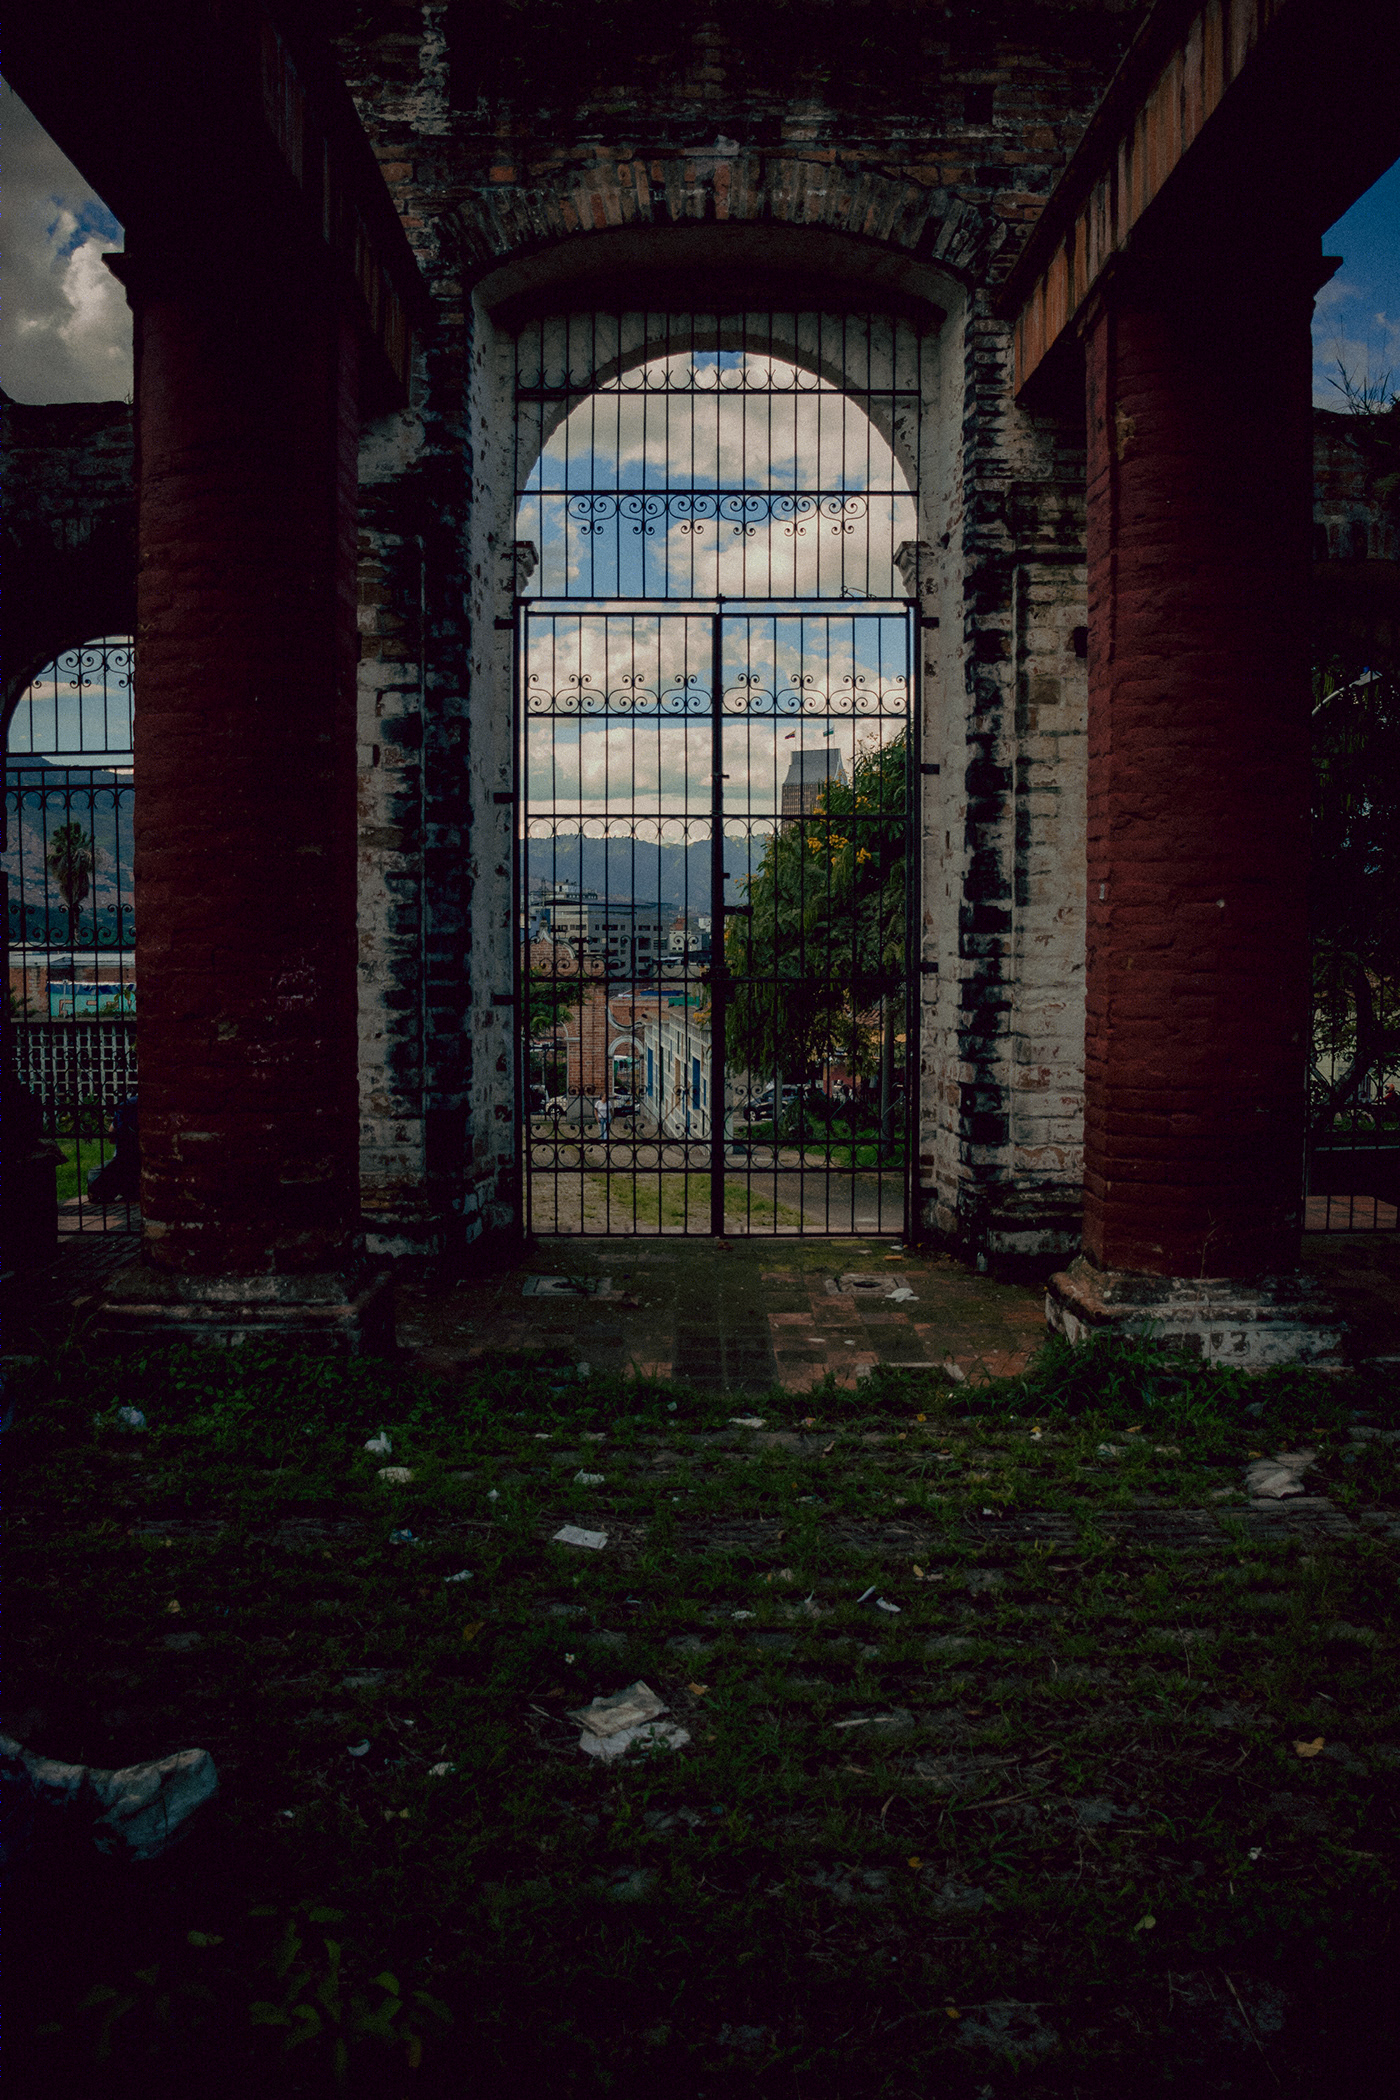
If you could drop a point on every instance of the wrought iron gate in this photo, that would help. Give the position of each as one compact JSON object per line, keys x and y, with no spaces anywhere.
{"x":716,"y":519}
{"x":716,"y":816}
{"x":1353,"y":1154}
{"x":70,"y":928}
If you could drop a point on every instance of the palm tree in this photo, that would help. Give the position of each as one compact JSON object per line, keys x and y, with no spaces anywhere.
{"x":73,"y":859}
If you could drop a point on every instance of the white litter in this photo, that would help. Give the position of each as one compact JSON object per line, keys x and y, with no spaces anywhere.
{"x":397,"y":1476}
{"x":572,"y":1535}
{"x":628,"y":1708}
{"x":747,"y":1421}
{"x":613,"y":1726}
{"x":588,"y":1480}
{"x":440,"y":1771}
{"x":901,"y":1296}
{"x":741,"y":1615}
{"x":953,"y":1370}
{"x":866,"y":1593}
{"x":1274,"y":1478}
{"x":493,"y":1494}
{"x":380,"y":1446}
{"x":584,"y":1370}
{"x":462,"y":1575}
{"x":883,"y":1604}
{"x":131,"y":1418}
{"x":653,"y":1735}
{"x":359,"y":1749}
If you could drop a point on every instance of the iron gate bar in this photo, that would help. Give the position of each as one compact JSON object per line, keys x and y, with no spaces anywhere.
{"x":718,"y":1061}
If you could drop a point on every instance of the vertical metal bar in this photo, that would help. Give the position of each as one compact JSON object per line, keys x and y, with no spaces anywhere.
{"x":717,"y":967}
{"x":520,"y":960}
{"x":913,"y":884}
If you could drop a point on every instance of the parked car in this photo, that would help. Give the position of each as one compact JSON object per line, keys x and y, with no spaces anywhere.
{"x":761,"y":1105}
{"x":578,"y":1109}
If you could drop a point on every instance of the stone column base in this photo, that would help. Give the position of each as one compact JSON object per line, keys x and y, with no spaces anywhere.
{"x":1277,"y":1320}
{"x":336,"y":1315}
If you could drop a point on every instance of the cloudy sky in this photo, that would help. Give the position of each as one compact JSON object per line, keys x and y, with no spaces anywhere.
{"x":65,"y":329}
{"x":1358,"y":313}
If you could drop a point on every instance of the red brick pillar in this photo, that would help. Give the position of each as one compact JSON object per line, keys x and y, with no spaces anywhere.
{"x":1199,"y":494}
{"x":247,"y":429}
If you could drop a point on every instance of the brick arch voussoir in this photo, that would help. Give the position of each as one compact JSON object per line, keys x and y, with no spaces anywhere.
{"x":955,"y":234}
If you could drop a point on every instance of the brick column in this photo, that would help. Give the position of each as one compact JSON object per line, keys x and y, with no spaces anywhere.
{"x":1199,"y":488}
{"x":247,"y":428}
{"x":1199,"y":485}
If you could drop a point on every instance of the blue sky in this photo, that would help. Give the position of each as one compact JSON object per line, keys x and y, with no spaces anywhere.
{"x":1358,"y":313}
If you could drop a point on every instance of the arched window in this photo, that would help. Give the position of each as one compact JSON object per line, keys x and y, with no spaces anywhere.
{"x":70,"y":905}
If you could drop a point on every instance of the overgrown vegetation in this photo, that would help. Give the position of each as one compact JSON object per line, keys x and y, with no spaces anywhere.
{"x":1046,"y":1827}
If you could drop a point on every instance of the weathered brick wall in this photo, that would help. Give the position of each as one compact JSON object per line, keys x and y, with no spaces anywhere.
{"x":69,"y":530}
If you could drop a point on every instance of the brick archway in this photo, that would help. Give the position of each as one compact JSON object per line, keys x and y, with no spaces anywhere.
{"x":1000,"y":954}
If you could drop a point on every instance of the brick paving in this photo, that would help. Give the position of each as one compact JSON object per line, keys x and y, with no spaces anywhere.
{"x":736,"y":1316}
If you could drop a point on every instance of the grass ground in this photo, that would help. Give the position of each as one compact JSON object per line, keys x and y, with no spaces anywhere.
{"x":1107,"y":1806}
{"x":637,"y":1201}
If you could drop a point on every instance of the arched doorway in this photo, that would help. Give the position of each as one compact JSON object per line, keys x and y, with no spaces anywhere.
{"x":717,"y":587}
{"x":70,"y":926}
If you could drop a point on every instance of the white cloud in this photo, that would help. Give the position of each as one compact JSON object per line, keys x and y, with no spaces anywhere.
{"x":673,"y":425}
{"x":65,"y":328}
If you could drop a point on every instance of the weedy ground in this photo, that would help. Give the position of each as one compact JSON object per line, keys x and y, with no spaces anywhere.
{"x":1107,"y":1805}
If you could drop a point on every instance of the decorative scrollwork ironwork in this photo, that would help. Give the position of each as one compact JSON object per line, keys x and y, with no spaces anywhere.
{"x":743,"y":511}
{"x":631,"y":697}
{"x":856,"y":695}
{"x":80,"y":702}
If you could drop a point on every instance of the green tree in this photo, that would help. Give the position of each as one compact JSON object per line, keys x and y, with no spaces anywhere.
{"x":73,"y":860}
{"x":818,"y":952}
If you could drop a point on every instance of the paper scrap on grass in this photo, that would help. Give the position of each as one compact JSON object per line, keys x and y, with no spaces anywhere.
{"x":628,"y":1708}
{"x":747,"y":1421}
{"x":1280,"y":1476}
{"x":613,"y":1726}
{"x":380,"y":1445}
{"x":574,"y":1535}
{"x":396,"y":1476}
{"x":654,"y":1735}
{"x":588,"y":1480}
